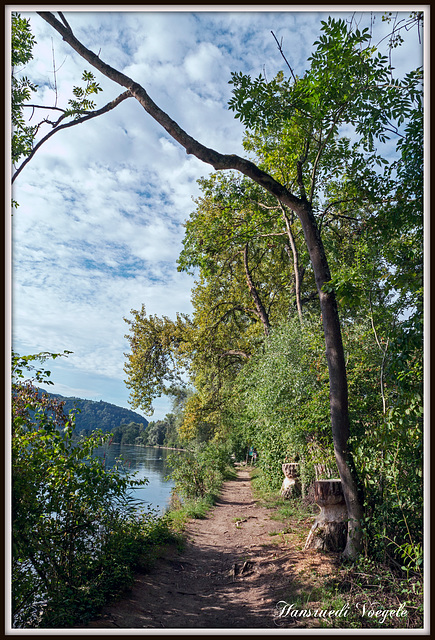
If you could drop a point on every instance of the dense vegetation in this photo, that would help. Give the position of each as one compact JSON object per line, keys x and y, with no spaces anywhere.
{"x":198,"y":473}
{"x":77,"y":536}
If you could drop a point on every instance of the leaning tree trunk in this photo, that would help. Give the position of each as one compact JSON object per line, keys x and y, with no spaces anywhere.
{"x":302,"y":208}
{"x":338,"y":391}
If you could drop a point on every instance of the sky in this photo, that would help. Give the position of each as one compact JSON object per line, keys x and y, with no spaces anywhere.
{"x":99,"y":225}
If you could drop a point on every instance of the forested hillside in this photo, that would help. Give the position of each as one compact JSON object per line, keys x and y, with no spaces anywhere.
{"x":102,"y":415}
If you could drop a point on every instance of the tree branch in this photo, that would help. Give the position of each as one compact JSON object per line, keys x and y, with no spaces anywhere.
{"x":282,"y":53}
{"x":108,"y":107}
{"x":62,"y":17}
{"x":41,"y":106}
{"x":217,"y":160}
{"x":322,"y":146}
{"x":235,"y":352}
{"x":295,"y":262}
{"x":258,"y":304}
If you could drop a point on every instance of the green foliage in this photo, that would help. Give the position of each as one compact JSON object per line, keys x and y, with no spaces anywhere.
{"x":390,"y":460}
{"x":369,"y":585}
{"x":155,"y":361}
{"x":285,"y":389}
{"x":286,"y":418}
{"x":23,"y":42}
{"x":155,"y":433}
{"x":130,"y":433}
{"x":80,"y":103}
{"x":91,"y":414}
{"x":199,"y":472}
{"x":76,"y":533}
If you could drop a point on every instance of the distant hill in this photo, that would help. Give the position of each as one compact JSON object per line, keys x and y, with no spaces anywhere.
{"x":98,"y":415}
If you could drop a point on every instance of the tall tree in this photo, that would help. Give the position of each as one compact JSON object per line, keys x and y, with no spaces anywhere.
{"x":348,"y":83}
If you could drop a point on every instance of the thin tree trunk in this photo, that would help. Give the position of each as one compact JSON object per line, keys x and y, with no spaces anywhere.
{"x":302,"y":208}
{"x":295,"y":263}
{"x":262,"y":313}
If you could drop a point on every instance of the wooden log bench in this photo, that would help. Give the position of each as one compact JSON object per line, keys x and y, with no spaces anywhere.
{"x":290,"y":485}
{"x":329,"y":531}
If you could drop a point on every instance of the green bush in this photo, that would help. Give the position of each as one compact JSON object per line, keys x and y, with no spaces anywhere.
{"x":199,"y":472}
{"x":77,"y":536}
{"x":285,"y":389}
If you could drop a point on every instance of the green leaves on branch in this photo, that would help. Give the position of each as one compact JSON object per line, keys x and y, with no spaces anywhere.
{"x":21,"y":364}
{"x":348,"y":83}
{"x":75,"y":532}
{"x":157,"y":356}
{"x":24,"y":142}
{"x":23,"y":42}
{"x":80,"y":103}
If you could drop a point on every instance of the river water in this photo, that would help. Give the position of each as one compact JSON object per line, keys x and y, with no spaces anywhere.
{"x":147,"y":462}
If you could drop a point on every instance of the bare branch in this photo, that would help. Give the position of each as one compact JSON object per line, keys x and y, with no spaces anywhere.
{"x":108,"y":107}
{"x":295,"y":262}
{"x":62,"y":17}
{"x":235,"y":352}
{"x":54,"y":72}
{"x":262,"y":313}
{"x":269,"y":235}
{"x":41,"y":106}
{"x":282,"y":53}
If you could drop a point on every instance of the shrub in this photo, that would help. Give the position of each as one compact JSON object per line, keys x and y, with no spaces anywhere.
{"x":199,"y":472}
{"x":77,"y":536}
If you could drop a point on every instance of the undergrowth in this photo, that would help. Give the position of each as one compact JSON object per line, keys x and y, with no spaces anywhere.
{"x":198,"y":474}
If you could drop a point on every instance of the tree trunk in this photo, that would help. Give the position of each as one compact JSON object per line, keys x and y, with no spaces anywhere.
{"x":329,"y":530}
{"x":338,"y":392}
{"x":302,"y":208}
{"x":295,"y":263}
{"x":261,"y":311}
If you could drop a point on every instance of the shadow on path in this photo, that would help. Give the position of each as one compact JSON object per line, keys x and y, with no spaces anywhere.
{"x":230,"y":575}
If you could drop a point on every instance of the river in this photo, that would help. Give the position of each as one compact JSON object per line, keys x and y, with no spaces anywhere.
{"x":147,"y":462}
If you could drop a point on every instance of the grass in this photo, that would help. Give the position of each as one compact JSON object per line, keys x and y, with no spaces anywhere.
{"x":180,"y":512}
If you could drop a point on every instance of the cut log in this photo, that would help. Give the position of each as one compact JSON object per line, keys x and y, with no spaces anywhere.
{"x":329,"y":531}
{"x":290,"y":486}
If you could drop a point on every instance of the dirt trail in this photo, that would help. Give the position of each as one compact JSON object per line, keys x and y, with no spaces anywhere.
{"x":231,"y":575}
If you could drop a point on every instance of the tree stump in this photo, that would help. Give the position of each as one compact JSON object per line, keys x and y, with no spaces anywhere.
{"x":329,"y":531}
{"x":290,"y":485}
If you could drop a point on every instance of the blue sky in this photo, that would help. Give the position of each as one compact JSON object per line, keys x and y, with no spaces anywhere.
{"x":102,"y":205}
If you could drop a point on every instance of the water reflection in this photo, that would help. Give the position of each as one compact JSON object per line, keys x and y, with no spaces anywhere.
{"x":147,"y":462}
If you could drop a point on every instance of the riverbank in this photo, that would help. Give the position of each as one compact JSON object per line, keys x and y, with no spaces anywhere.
{"x":149,"y":446}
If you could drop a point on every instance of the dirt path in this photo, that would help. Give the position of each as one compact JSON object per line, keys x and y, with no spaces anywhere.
{"x":231,"y":575}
